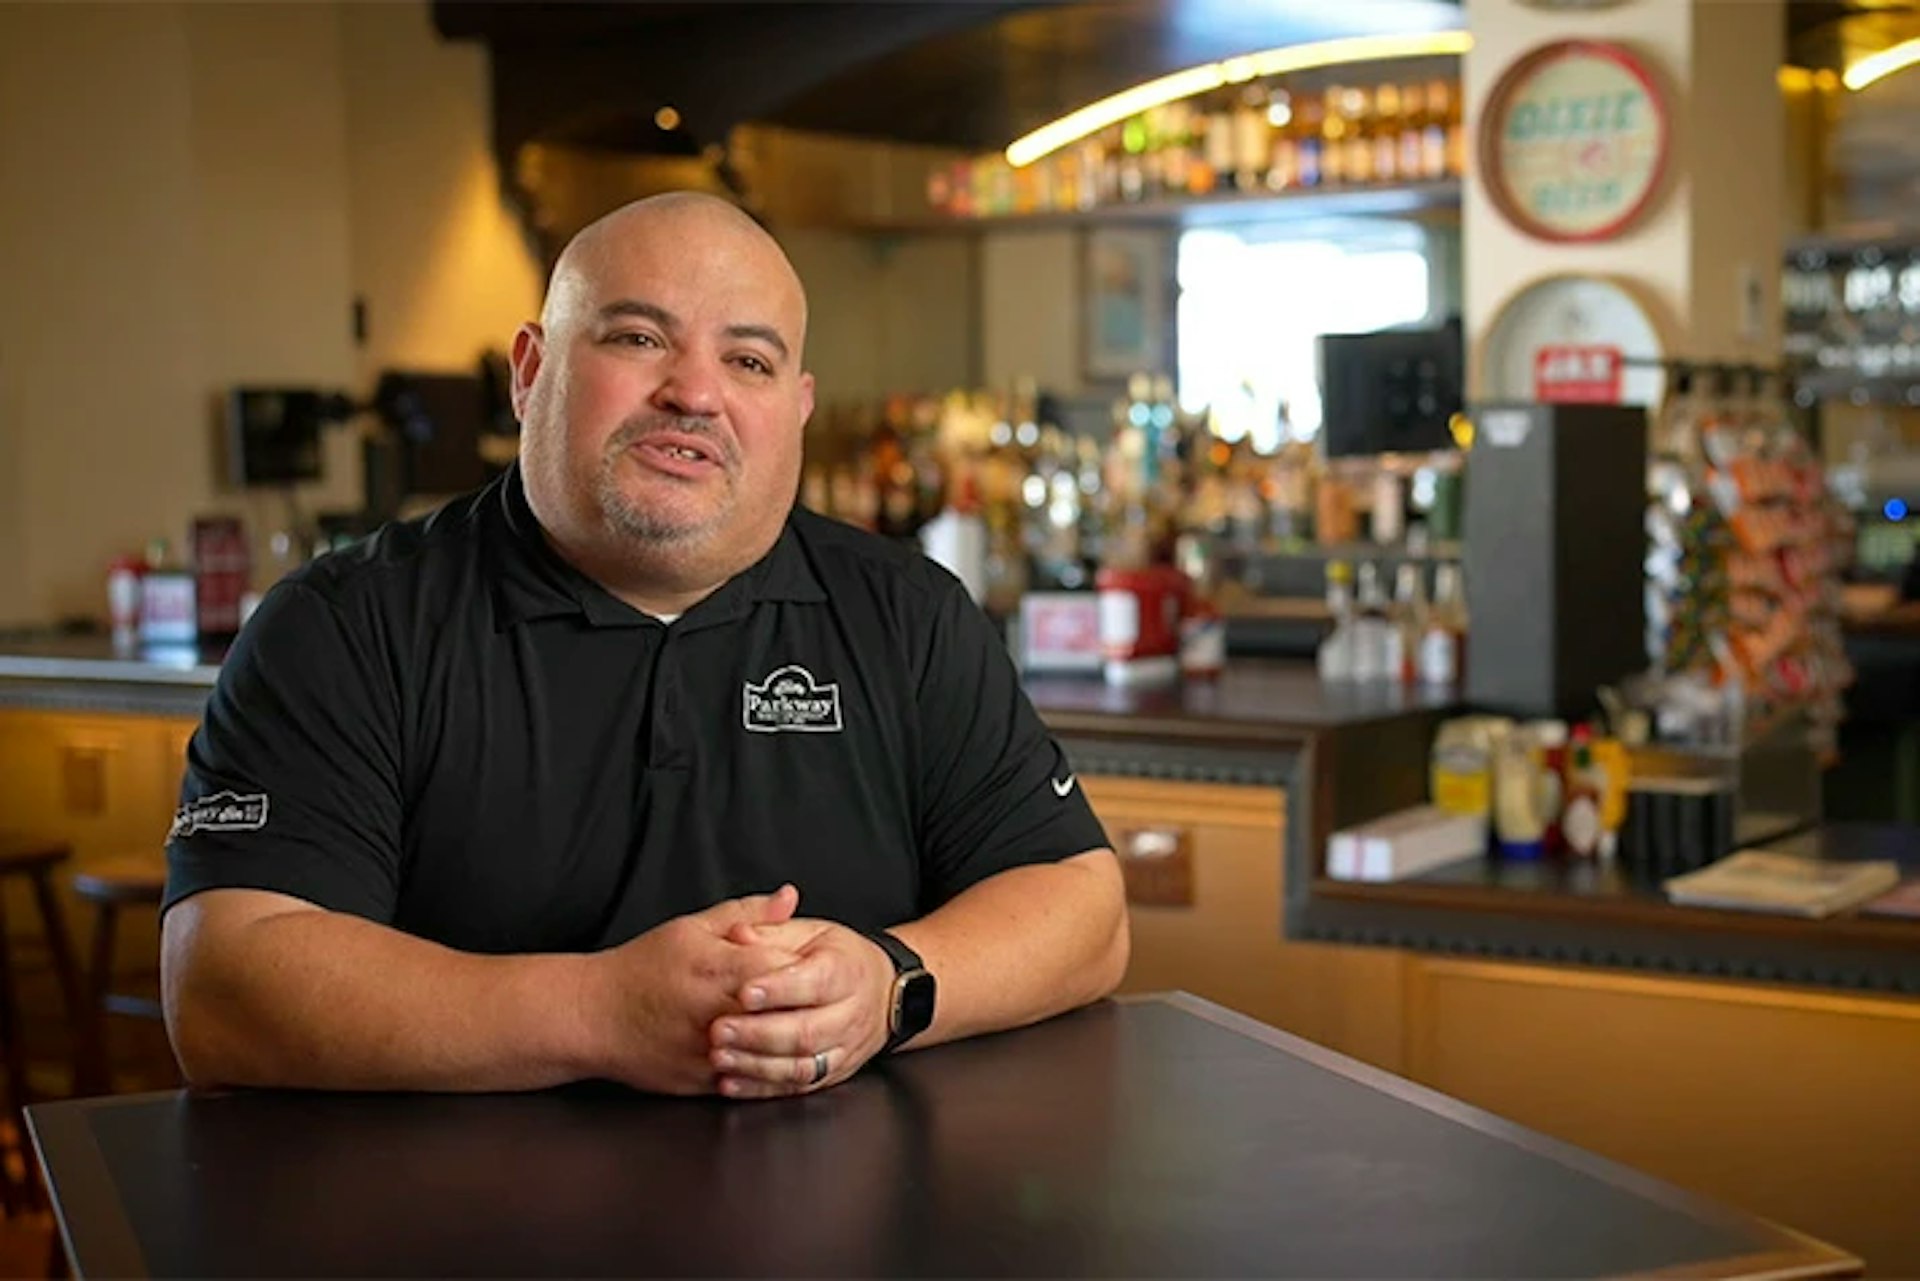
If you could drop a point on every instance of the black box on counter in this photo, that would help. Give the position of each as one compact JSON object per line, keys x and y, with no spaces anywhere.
{"x":1555,"y":551}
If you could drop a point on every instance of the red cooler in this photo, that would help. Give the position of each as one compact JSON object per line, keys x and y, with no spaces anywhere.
{"x":1140,"y":624}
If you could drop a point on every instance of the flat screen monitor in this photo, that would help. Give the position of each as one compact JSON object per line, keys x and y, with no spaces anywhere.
{"x":273,"y":434}
{"x":1392,"y":391}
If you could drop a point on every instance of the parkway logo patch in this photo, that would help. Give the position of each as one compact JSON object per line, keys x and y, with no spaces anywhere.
{"x":221,"y":812}
{"x":790,"y":700}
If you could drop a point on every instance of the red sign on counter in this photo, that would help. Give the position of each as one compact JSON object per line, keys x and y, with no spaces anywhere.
{"x":1585,"y":374}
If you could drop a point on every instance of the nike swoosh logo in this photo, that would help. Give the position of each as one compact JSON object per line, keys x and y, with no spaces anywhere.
{"x":1061,"y":786}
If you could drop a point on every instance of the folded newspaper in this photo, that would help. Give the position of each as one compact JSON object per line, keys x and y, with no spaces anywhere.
{"x":1760,"y":881}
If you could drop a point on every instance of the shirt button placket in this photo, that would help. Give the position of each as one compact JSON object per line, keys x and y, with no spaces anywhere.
{"x":666,"y":738}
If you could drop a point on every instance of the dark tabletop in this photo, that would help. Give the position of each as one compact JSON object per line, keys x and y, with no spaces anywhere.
{"x":1162,"y":1137}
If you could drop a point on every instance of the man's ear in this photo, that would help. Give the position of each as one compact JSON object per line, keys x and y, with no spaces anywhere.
{"x":806,"y":399}
{"x":529,"y":346}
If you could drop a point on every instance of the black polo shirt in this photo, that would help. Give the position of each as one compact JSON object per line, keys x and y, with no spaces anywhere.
{"x":449,"y":730}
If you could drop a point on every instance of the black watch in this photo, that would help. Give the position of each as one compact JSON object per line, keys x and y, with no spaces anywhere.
{"x":910,"y":1006}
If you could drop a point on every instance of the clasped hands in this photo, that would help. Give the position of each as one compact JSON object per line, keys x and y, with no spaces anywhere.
{"x":740,"y":999}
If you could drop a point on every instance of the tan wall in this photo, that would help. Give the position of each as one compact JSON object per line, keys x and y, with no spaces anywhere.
{"x":100,"y":396}
{"x":271,"y":247}
{"x":191,"y":196}
{"x":929,"y":312}
{"x":1030,"y":307}
{"x":437,"y":255}
{"x":1736,"y":147}
{"x":887,"y":313}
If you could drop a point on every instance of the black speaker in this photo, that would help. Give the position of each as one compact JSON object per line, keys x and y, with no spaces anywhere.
{"x":1555,"y":551}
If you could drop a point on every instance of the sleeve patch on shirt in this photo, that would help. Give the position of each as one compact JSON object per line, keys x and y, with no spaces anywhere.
{"x":221,"y":812}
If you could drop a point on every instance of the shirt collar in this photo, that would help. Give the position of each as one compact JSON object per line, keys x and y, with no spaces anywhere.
{"x":531,"y":581}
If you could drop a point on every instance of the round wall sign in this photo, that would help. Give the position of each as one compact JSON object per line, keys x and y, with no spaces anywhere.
{"x":1575,"y":337}
{"x":1574,"y":141}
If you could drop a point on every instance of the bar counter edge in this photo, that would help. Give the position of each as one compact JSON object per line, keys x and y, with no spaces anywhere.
{"x":1340,"y":756}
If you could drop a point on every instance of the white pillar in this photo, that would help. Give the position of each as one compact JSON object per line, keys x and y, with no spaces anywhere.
{"x":1714,"y":234}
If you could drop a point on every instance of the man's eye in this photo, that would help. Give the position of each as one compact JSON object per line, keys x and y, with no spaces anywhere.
{"x":755,"y":364}
{"x":629,"y":338}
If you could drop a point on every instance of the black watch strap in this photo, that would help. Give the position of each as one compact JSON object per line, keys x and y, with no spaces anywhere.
{"x":904,"y":958}
{"x":911,"y":998}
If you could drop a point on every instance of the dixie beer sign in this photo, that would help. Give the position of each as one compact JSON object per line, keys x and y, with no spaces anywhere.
{"x":1574,"y":141}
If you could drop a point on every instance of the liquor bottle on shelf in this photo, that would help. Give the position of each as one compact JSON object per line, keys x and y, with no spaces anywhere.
{"x":1336,"y":654}
{"x":1372,"y":629}
{"x":1165,"y":148}
{"x":893,"y":478}
{"x":1358,"y":105}
{"x":1443,"y":640}
{"x":1335,"y":518}
{"x":1309,"y":149}
{"x":1456,"y":132}
{"x":1407,"y":621}
{"x":1434,"y":149}
{"x":1203,"y":628}
{"x":958,"y":538}
{"x":1250,"y":141}
{"x":1409,"y":167}
{"x":1246,"y":507}
{"x":1386,"y":133}
{"x":1132,"y":175}
{"x":1282,"y":171}
{"x":1223,"y":146}
{"x":1333,"y":137}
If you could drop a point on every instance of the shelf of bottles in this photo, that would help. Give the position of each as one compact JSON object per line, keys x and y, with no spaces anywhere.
{"x":1745,"y":550}
{"x":1265,"y":138}
{"x":1056,"y":505}
{"x":1161,"y":486}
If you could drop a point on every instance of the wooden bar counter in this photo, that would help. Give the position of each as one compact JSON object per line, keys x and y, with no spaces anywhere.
{"x":1774,"y":1067}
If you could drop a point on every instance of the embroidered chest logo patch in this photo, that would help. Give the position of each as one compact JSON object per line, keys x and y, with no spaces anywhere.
{"x":221,"y":812}
{"x":791,"y":700}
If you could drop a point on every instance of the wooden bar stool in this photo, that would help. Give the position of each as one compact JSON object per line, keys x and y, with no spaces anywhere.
{"x":131,"y":881}
{"x":34,"y":858}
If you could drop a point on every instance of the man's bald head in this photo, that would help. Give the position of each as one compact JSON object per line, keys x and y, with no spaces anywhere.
{"x":689,"y":218}
{"x":662,"y":398}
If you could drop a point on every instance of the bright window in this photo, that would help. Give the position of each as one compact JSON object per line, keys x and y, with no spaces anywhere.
{"x":1253,"y":300}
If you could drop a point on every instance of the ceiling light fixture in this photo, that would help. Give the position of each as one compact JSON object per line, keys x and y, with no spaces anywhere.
{"x":1877,"y":66}
{"x":1096,"y":116}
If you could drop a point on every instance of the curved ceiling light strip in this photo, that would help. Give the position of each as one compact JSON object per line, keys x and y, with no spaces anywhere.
{"x":1878,"y":66}
{"x":1096,"y":116}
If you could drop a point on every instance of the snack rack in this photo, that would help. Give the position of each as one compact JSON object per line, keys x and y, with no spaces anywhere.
{"x":1745,"y":549}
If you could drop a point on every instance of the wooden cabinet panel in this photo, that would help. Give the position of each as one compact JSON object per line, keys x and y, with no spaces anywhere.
{"x":81,"y":777}
{"x":1228,"y":946}
{"x":108,"y":785}
{"x":1802,"y":1106}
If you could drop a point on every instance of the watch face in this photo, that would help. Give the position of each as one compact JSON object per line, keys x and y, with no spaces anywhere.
{"x":916,"y":1004}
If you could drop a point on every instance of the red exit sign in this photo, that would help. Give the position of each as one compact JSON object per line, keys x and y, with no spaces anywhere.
{"x":1588,"y":374}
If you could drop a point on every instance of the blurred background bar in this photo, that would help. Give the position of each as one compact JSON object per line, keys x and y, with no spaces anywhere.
{"x":1514,"y":406}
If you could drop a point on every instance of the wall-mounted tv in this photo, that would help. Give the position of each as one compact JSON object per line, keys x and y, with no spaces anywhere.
{"x":1392,"y":391}
{"x":440,"y":422}
{"x":273,"y":433}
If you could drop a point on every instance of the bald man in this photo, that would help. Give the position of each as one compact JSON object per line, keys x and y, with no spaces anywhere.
{"x":625,"y":767}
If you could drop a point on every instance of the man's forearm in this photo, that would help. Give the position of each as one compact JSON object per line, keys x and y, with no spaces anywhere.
{"x":329,"y":1001}
{"x":1023,"y":945}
